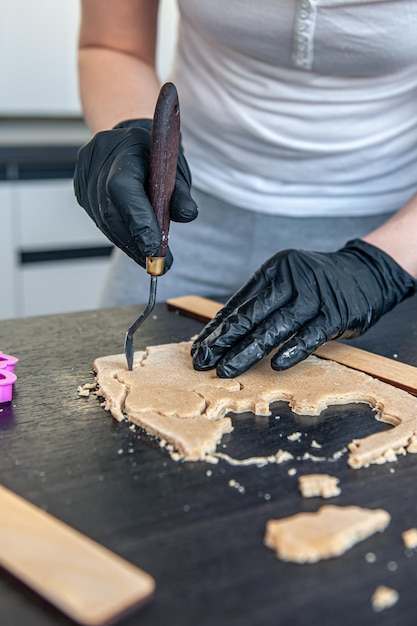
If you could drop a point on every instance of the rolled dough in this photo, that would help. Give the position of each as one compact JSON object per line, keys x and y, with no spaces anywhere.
{"x":187,"y":408}
{"x":330,"y":532}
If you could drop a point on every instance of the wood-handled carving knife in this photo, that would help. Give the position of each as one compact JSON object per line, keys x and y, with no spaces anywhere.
{"x":165,"y":140}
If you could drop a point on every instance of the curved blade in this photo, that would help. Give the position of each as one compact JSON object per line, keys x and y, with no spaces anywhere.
{"x":129,"y":346}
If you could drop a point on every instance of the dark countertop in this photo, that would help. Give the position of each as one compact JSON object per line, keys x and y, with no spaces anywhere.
{"x":29,"y":147}
{"x":200,"y":538}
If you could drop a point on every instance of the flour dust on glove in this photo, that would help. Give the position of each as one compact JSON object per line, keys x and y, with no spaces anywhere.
{"x":110,"y":180}
{"x":299,"y":300}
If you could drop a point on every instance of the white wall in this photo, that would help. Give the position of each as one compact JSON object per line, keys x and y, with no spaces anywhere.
{"x":37,"y":57}
{"x":38,"y":40}
{"x":167,"y":37}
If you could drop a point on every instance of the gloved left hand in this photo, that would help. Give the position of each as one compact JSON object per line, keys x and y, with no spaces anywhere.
{"x":298,"y":301}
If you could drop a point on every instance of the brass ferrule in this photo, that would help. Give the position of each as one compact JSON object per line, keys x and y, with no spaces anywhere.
{"x":155,"y":265}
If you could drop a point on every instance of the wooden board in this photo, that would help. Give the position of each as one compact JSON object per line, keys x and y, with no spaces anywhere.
{"x":87,"y":582}
{"x":398,"y":374}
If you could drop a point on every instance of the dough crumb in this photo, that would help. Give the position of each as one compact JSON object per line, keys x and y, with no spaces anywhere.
{"x":211,"y":459}
{"x":412,"y":445}
{"x":410,"y":538}
{"x":282,"y":456}
{"x":84,"y":390}
{"x":311,"y":457}
{"x":330,"y":532}
{"x":236,"y":485}
{"x":294,"y":436}
{"x":384,"y":598}
{"x":339,"y":453}
{"x":292,"y":471}
{"x":392,"y":566}
{"x":370,"y":557}
{"x":260,"y":461}
{"x":316,"y":444}
{"x":318,"y":485}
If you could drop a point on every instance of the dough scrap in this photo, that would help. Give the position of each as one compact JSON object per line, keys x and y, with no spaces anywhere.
{"x":384,"y":598}
{"x":294,"y":436}
{"x":281,"y":456}
{"x":313,"y":485}
{"x":85,"y":390}
{"x":329,"y":532}
{"x":410,"y":538}
{"x":168,"y":398}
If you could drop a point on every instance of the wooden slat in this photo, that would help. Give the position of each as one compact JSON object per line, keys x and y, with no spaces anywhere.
{"x":394,"y":372}
{"x":83,"y":579}
{"x":196,"y":307}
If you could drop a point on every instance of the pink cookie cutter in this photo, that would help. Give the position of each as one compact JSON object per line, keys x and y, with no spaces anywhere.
{"x":8,"y":362}
{"x":7,"y":376}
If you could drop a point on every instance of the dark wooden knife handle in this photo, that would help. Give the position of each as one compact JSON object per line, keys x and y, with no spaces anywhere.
{"x":165,"y":141}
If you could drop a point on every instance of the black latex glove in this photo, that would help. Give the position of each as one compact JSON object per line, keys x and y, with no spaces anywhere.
{"x":110,"y":180}
{"x":301,"y":300}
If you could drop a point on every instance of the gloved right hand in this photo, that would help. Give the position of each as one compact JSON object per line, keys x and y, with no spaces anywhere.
{"x":110,"y":181}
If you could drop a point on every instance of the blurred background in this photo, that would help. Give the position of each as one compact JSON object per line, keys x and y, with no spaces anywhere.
{"x":53,"y":256}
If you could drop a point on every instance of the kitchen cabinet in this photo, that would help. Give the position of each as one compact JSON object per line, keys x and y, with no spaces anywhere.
{"x":54,"y":257}
{"x":8,"y":265}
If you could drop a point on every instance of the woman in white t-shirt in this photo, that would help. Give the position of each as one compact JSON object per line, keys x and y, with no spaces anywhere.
{"x":299,"y":127}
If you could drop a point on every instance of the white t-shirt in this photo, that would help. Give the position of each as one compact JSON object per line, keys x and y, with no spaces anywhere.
{"x":300,"y":107}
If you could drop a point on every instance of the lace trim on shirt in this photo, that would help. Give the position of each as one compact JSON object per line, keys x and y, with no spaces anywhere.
{"x":305,"y":22}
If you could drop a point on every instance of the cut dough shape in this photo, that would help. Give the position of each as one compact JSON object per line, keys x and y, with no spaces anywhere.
{"x":384,"y":598}
{"x":323,"y":485}
{"x":187,"y":408}
{"x":330,"y":532}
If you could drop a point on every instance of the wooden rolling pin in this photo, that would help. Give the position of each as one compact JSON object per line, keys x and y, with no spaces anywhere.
{"x":393,"y":372}
{"x":83,"y":579}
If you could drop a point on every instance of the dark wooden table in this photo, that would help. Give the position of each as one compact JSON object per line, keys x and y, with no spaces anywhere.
{"x":200,"y":538}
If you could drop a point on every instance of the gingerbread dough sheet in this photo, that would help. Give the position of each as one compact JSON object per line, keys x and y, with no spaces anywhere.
{"x":330,"y":532}
{"x":187,"y":409}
